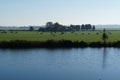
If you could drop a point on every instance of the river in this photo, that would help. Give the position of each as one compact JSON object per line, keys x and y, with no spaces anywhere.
{"x":60,"y":64}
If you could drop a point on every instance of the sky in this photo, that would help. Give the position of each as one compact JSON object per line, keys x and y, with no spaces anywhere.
{"x":38,"y":12}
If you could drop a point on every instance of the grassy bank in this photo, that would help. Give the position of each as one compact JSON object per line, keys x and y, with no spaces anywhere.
{"x":35,"y":39}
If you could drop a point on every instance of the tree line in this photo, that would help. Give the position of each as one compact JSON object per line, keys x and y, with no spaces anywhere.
{"x":56,"y":27}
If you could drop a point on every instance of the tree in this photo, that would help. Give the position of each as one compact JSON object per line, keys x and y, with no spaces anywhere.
{"x":58,"y":27}
{"x":31,"y":28}
{"x":77,"y":27}
{"x":56,"y":24}
{"x":83,"y":27}
{"x":104,"y":36}
{"x":49,"y":24}
{"x":41,"y":29}
{"x":93,"y":29}
{"x":88,"y":27}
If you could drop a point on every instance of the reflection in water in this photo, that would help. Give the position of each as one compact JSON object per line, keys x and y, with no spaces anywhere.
{"x":104,"y":58}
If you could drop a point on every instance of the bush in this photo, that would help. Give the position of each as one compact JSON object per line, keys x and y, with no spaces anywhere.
{"x":54,"y":44}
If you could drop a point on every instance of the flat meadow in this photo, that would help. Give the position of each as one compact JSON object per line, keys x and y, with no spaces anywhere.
{"x":86,"y":36}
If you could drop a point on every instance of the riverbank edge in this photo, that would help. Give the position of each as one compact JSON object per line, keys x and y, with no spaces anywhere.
{"x":56,"y":44}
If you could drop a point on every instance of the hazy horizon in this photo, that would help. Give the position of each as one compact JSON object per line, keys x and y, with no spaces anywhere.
{"x":66,"y":12}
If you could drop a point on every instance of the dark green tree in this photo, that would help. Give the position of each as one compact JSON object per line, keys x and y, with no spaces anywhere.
{"x":104,"y":36}
{"x":49,"y":24}
{"x":82,"y":27}
{"x":93,"y":29}
{"x":31,"y":28}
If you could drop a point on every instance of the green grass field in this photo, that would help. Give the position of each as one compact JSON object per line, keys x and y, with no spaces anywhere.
{"x":87,"y":36}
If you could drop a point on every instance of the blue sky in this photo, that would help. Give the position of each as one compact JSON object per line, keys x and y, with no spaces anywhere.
{"x":38,"y":12}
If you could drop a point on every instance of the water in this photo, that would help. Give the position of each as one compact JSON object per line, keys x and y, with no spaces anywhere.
{"x":60,"y":64}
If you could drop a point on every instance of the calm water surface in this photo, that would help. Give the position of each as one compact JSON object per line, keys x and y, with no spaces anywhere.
{"x":60,"y":64}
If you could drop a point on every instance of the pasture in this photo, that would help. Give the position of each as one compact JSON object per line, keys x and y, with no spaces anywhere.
{"x":87,"y":36}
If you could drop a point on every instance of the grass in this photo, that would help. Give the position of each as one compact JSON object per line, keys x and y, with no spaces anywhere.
{"x":86,"y":36}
